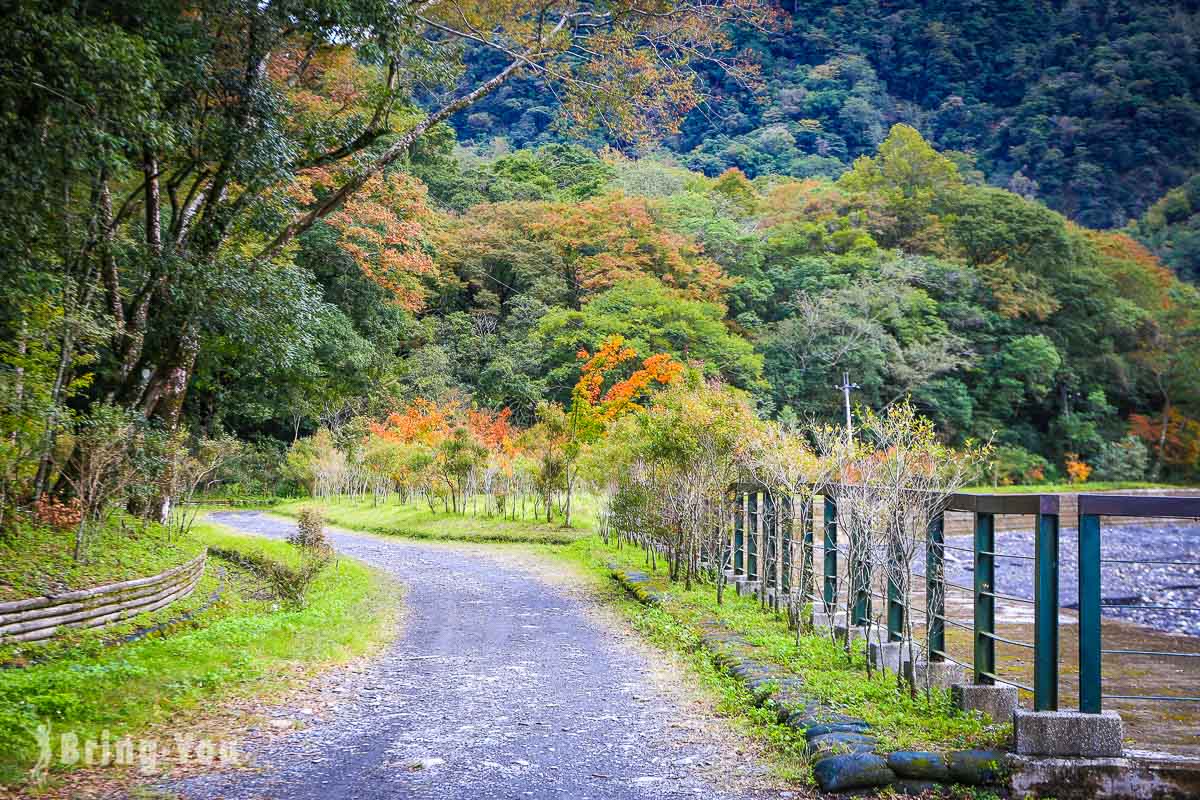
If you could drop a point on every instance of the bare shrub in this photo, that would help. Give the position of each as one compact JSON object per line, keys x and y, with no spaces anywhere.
{"x":288,"y":584}
{"x":310,"y":532}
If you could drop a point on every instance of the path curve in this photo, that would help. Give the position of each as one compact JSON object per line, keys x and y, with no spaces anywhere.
{"x":501,"y":685}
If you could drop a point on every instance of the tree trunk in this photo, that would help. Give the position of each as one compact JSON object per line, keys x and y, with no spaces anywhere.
{"x":1162,"y":439}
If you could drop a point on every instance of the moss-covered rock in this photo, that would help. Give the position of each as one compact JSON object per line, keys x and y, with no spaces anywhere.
{"x":852,"y":771}
{"x":976,"y":767}
{"x":919,"y":765}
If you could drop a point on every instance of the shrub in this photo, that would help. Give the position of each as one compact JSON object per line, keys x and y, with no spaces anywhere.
{"x":289,"y":584}
{"x":1123,"y":460}
{"x":310,"y":531}
{"x":1012,"y":464}
{"x":1077,"y":470}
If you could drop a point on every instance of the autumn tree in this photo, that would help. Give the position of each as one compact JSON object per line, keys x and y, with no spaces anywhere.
{"x":182,"y":149}
{"x":1169,"y":359}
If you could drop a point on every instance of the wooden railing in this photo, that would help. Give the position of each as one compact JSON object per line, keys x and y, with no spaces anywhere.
{"x":38,"y":618}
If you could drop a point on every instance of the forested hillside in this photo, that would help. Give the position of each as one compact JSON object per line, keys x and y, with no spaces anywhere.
{"x":1092,"y":106}
{"x":261,"y":222}
{"x":996,"y":315}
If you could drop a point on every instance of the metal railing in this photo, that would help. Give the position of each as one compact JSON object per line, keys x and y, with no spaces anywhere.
{"x":774,"y":539}
{"x":1091,"y":597}
{"x":763,"y":541}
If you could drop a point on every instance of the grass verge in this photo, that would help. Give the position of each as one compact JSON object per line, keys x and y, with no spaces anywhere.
{"x":897,"y":719}
{"x":414,"y":520}
{"x":245,"y":645}
{"x":1072,"y":488}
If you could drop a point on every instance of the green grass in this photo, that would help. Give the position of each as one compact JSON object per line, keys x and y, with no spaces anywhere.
{"x":1072,"y":488}
{"x":244,"y":646}
{"x":415,"y":520}
{"x":36,"y":560}
{"x":898,"y":720}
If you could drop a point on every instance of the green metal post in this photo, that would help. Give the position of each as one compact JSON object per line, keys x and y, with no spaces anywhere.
{"x":785,"y":535}
{"x":1045,"y":614}
{"x":739,"y":535}
{"x":752,"y":536}
{"x":985,"y":604}
{"x":770,"y":539}
{"x":806,"y":556}
{"x":895,"y":602}
{"x":860,"y":583}
{"x":830,"y":588}
{"x":935,"y":587}
{"x":1089,"y":614}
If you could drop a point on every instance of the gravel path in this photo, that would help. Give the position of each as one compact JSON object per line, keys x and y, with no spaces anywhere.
{"x":1176,"y":585}
{"x":505,"y":683}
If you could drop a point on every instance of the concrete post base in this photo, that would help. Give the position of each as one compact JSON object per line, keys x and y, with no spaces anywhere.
{"x":997,"y":702}
{"x":856,"y":633}
{"x":745,"y":587}
{"x":938,"y":674}
{"x":1067,"y":733}
{"x":823,"y":620}
{"x":777,"y":599}
{"x":888,"y":656}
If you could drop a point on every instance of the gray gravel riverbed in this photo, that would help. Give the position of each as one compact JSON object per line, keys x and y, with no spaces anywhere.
{"x":502,"y":684}
{"x":1124,"y":585}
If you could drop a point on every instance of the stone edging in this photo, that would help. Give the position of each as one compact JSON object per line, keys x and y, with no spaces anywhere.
{"x":840,"y":747}
{"x":39,"y":618}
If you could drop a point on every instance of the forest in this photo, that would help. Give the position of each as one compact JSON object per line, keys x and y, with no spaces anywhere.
{"x":233,"y":227}
{"x":1084,"y":105}
{"x":672,"y":293}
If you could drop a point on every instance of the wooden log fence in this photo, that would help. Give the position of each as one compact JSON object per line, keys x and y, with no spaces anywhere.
{"x":40,"y":618}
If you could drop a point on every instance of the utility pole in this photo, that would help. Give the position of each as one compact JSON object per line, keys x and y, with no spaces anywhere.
{"x":846,"y":387}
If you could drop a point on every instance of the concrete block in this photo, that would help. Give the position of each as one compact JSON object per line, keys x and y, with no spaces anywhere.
{"x":1158,"y":775}
{"x":938,"y":674}
{"x":997,"y":702}
{"x":856,"y":633}
{"x":1067,"y":733}
{"x":746,"y":588}
{"x":778,"y":600}
{"x":889,"y":656}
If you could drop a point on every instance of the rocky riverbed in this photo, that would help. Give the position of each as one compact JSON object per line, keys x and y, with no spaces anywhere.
{"x":1162,"y":569}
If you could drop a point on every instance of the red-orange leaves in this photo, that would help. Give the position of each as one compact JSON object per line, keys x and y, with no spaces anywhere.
{"x":381,"y":229}
{"x":590,"y":246}
{"x":621,"y":395}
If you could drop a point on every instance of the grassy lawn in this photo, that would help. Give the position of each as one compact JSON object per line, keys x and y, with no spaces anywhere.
{"x":415,"y":520}
{"x":1072,"y":488}
{"x":36,"y":560}
{"x":245,"y":645}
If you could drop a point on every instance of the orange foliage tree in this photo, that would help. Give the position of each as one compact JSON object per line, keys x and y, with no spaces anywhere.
{"x":1077,"y":471}
{"x":588,"y":246}
{"x":1176,"y":440}
{"x":382,"y":228}
{"x":600,"y":396}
